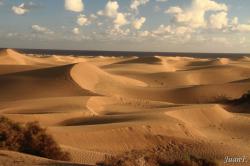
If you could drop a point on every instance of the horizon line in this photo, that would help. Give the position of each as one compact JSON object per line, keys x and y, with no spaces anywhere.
{"x":125,"y":51}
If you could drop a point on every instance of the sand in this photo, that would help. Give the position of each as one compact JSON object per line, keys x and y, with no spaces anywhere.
{"x":101,"y":106}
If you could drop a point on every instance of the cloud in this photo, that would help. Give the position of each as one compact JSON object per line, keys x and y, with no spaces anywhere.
{"x":138,"y":23}
{"x":136,"y":3}
{"x":93,"y":17}
{"x":19,"y":10}
{"x":74,"y":5}
{"x":236,"y":26}
{"x":116,"y":33}
{"x":162,"y":30}
{"x":40,"y":29}
{"x":144,"y":33}
{"x":243,"y":27}
{"x":10,"y":35}
{"x":1,"y":2}
{"x":218,"y":20}
{"x":82,"y":20}
{"x":194,"y":16}
{"x":173,"y":32}
{"x":182,"y":30}
{"x":111,"y":9}
{"x":235,"y":21}
{"x":76,"y":31}
{"x":206,"y":14}
{"x":120,"y":20}
{"x":174,"y":10}
{"x":221,"y":40}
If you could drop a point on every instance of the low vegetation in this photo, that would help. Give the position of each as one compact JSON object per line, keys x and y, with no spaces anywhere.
{"x":30,"y":138}
{"x":154,"y":159}
{"x":244,"y":99}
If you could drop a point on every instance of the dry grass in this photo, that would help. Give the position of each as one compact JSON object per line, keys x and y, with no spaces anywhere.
{"x":244,"y":99}
{"x":30,"y":138}
{"x":154,"y":158}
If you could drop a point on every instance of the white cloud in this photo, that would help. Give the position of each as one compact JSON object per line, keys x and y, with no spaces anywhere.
{"x":82,"y":20}
{"x":74,"y":5}
{"x":243,"y":27}
{"x":236,"y":26}
{"x":19,"y":10}
{"x":116,"y":33}
{"x":243,"y":40}
{"x":76,"y":31}
{"x":120,"y":20}
{"x":144,"y":34}
{"x":136,"y":3}
{"x":111,"y":9}
{"x":194,"y":16}
{"x":179,"y":31}
{"x":138,"y":23}
{"x":218,"y":20}
{"x":162,"y":30}
{"x":40,"y":29}
{"x":9,"y":35}
{"x":93,"y":16}
{"x":99,"y":24}
{"x":235,"y":21}
{"x":221,"y":40}
{"x":182,"y":30}
{"x":174,"y":10}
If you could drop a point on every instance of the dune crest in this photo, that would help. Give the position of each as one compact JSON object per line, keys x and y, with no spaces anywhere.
{"x":94,"y":79}
{"x":202,"y":116}
{"x":221,"y":61}
{"x":9,"y":56}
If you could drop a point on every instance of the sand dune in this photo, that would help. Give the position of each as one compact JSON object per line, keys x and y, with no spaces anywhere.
{"x":203,"y":115}
{"x":12,"y":57}
{"x":8,"y":158}
{"x":101,"y":106}
{"x":245,"y":58}
{"x":94,"y":79}
{"x":211,"y":62}
{"x":7,"y":69}
{"x":40,"y":83}
{"x":197,"y":76}
{"x":8,"y":56}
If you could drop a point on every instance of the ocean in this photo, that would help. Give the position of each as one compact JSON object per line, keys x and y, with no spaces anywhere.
{"x":128,"y":53}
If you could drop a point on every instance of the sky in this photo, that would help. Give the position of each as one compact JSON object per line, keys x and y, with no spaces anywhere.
{"x":127,"y":25}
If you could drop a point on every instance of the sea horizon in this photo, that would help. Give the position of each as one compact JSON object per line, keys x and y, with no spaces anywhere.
{"x":126,"y":53}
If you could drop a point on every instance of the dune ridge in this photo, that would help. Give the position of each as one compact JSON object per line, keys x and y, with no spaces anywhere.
{"x":89,"y":77}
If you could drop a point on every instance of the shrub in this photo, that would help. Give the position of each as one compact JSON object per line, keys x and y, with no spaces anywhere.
{"x":191,"y":161}
{"x":244,"y":99}
{"x":11,"y":134}
{"x":30,"y":139}
{"x":153,"y":159}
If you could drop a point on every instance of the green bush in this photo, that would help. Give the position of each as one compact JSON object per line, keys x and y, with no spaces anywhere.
{"x":30,"y":139}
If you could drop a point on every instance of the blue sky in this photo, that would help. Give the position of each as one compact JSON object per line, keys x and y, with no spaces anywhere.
{"x":133,"y":25}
